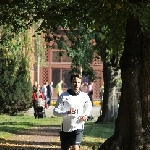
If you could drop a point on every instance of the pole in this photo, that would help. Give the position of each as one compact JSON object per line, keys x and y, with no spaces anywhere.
{"x":38,"y":74}
{"x":38,"y":49}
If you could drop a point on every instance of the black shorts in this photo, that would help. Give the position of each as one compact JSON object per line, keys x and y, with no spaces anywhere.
{"x":70,"y":138}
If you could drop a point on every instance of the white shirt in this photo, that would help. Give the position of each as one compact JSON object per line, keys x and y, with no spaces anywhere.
{"x":44,"y":90}
{"x":80,"y":102}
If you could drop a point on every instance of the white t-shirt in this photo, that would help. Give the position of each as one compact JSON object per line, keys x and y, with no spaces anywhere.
{"x":80,"y":102}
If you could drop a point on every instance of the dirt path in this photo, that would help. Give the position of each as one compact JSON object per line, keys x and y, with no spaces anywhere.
{"x":37,"y":138}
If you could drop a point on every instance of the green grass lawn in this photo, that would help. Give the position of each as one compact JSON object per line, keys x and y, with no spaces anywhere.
{"x":94,"y":134}
{"x":12,"y":124}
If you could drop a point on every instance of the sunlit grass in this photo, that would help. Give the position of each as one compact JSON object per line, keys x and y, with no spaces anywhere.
{"x":13,"y":124}
{"x":94,"y":134}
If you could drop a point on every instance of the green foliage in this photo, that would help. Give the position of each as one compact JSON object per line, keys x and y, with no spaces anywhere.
{"x":92,"y":14}
{"x":15,"y":51}
{"x":108,"y":18}
{"x":119,"y":83}
{"x":15,"y":91}
{"x":76,"y":42}
{"x":107,"y":48}
{"x":141,"y":11}
{"x":23,"y":88}
{"x":39,"y":50}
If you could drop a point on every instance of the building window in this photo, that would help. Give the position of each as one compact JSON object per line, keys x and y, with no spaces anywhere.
{"x":61,"y":74}
{"x":66,"y":78}
{"x":55,"y":76}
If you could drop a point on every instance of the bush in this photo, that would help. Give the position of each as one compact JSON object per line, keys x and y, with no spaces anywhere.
{"x":15,"y":89}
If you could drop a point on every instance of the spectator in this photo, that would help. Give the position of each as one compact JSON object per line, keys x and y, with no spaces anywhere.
{"x":84,"y":87}
{"x":44,"y":90}
{"x":101,"y":92}
{"x":59,"y":88}
{"x":34,"y":87}
{"x":37,"y":94}
{"x":90,"y":91}
{"x":49,"y":93}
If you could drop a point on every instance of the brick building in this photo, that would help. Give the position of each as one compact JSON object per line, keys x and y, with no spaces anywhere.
{"x":57,"y":68}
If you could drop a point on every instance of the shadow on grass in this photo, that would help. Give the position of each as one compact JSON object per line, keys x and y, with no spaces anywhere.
{"x":92,"y":131}
{"x":42,"y":130}
{"x":91,"y":145}
{"x":27,"y":145}
{"x":41,"y":137}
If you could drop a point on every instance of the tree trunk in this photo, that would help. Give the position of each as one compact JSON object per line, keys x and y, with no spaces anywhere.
{"x":132,"y":130}
{"x":110,"y":101}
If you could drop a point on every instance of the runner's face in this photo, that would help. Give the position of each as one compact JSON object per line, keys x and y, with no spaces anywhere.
{"x":75,"y":84}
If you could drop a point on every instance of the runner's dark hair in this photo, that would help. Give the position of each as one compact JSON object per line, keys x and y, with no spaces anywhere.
{"x":74,"y":76}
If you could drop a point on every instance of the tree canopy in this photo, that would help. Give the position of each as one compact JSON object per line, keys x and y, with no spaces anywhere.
{"x":125,"y":22}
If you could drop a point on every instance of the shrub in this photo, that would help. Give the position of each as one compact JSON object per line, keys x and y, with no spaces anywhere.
{"x":15,"y":89}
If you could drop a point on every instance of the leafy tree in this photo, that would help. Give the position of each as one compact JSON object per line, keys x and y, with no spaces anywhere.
{"x":76,"y":42}
{"x":110,"y":54}
{"x":16,"y":86}
{"x":130,"y":17}
{"x":132,"y":125}
{"x":15,"y":92}
{"x":72,"y":14}
{"x":22,"y":86}
{"x":111,"y":73}
{"x":129,"y":21}
{"x":15,"y":49}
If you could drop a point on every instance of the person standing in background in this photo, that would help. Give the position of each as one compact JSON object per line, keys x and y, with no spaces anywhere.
{"x":90,"y":91}
{"x":44,"y":90}
{"x":49,"y":93}
{"x":59,"y":88}
{"x":86,"y":87}
{"x":101,"y":92}
{"x":34,"y":90}
{"x":35,"y":86}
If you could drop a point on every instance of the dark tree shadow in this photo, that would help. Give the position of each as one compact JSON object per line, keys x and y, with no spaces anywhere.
{"x":16,"y":142}
{"x":43,"y":130}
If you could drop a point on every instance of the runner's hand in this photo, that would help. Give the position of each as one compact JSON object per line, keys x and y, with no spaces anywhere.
{"x":83,"y":118}
{"x":72,"y":111}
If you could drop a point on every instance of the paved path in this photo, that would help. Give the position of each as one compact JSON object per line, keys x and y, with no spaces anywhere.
{"x":49,"y":112}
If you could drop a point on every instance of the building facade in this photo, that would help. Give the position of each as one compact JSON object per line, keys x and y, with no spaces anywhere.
{"x":57,"y":68}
